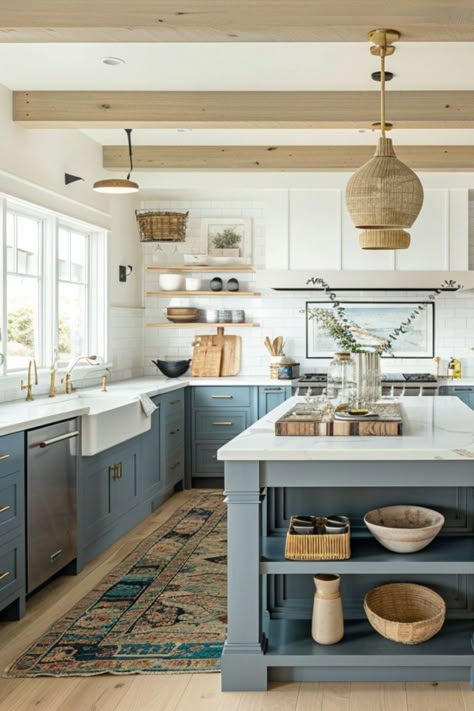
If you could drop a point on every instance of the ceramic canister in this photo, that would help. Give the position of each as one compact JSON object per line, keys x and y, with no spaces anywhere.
{"x":328,"y":621}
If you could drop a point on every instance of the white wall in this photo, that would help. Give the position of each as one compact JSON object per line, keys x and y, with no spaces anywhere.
{"x":280,"y":313}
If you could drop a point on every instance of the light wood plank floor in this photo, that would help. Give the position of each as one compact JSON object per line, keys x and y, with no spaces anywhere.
{"x":183,"y":692}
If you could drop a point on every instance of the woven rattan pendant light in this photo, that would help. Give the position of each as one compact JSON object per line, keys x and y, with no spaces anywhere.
{"x":384,"y":197}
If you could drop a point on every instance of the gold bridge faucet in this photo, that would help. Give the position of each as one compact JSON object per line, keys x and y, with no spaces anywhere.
{"x":29,"y":385}
{"x":68,"y":378}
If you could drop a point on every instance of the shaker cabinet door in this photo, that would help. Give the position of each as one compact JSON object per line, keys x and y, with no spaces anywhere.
{"x":315,"y":229}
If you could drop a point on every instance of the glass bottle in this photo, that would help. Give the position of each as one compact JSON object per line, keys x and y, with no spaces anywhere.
{"x":341,"y":378}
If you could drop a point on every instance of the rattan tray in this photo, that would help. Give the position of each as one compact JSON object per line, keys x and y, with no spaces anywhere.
{"x":329,"y":546}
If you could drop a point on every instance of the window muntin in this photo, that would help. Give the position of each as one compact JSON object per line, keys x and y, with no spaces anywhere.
{"x":23,"y":295}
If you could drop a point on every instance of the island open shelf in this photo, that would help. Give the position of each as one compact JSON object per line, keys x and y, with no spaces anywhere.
{"x":268,"y":479}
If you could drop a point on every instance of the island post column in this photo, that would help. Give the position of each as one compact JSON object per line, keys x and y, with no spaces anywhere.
{"x":243,"y":664}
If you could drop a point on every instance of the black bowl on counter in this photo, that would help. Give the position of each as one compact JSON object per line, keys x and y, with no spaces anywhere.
{"x":172,"y":368}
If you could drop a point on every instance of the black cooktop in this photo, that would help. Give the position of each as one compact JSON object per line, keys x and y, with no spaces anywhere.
{"x":386,"y":378}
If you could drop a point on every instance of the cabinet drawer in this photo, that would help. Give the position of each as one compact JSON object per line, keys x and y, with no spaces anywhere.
{"x":219,"y":396}
{"x":11,"y":502}
{"x":222,"y":424}
{"x":12,"y":567}
{"x":11,"y":453}
{"x":205,"y":459}
{"x":175,"y":468}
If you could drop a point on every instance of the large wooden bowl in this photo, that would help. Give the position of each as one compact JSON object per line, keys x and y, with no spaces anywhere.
{"x":404,"y":529}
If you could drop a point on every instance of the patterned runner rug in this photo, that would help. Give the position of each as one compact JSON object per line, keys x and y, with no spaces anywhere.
{"x":163,"y":609}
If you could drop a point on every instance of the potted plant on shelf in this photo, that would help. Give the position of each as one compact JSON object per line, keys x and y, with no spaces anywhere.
{"x":226,"y":244}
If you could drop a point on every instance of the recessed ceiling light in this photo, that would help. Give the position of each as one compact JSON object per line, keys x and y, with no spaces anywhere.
{"x":112,"y":61}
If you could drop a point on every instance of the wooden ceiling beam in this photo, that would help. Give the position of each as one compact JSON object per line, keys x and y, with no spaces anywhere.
{"x":282,"y":158}
{"x":232,"y":21}
{"x":241,"y":109}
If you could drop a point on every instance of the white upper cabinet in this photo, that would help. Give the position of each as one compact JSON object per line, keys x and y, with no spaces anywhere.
{"x":311,"y":229}
{"x":315,"y":229}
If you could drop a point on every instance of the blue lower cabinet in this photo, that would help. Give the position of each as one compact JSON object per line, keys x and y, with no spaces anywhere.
{"x":270,"y":397}
{"x":219,"y":413}
{"x":152,"y":471}
{"x":464,"y":393}
{"x":12,"y":526}
{"x":172,"y":439}
{"x":111,"y":485}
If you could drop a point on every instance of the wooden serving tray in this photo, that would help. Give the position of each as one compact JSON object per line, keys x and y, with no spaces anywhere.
{"x":310,"y":425}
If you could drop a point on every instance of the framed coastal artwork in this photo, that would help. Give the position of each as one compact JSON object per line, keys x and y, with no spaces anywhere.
{"x":229,"y":237}
{"x":372,"y":323}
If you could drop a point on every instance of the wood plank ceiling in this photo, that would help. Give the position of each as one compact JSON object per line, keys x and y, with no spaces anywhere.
{"x":245,"y":21}
{"x":233,"y":20}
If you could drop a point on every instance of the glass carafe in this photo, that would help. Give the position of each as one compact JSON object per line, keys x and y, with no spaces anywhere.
{"x":341,"y":378}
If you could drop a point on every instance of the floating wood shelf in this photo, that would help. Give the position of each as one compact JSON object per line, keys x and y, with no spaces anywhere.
{"x":170,"y":294}
{"x":199,"y":324}
{"x":207,"y":268}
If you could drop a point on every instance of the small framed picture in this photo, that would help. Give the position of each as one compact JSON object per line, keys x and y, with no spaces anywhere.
{"x":227,"y":237}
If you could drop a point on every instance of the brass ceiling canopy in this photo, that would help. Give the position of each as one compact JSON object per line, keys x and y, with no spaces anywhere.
{"x":119,"y":186}
{"x":384,"y":197}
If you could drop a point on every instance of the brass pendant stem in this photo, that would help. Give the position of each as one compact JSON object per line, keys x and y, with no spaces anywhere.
{"x":382,"y":91}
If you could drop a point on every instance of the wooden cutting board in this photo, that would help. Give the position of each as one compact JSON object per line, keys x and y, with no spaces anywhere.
{"x":311,"y":426}
{"x":207,"y":358}
{"x":231,"y":352}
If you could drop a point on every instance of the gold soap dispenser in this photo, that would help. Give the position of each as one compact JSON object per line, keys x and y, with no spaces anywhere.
{"x":454,"y":369}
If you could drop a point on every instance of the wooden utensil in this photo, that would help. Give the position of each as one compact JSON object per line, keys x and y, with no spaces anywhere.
{"x":278,"y":345}
{"x":269,"y":345}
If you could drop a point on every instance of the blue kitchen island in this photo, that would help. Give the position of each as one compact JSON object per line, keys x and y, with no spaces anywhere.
{"x":269,"y":478}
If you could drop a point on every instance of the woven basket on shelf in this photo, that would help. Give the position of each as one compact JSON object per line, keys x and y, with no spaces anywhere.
{"x":158,"y":226}
{"x":329,"y":546}
{"x":405,"y":612}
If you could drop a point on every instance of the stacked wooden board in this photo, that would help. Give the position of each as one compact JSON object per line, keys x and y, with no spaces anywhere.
{"x":297,"y":423}
{"x":216,"y":356}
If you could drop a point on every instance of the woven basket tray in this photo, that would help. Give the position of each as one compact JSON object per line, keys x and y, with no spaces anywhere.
{"x":330,"y":546}
{"x":405,"y":612}
{"x":157,"y":226}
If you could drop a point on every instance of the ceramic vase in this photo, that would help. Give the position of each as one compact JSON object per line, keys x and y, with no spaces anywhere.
{"x":328,"y":620}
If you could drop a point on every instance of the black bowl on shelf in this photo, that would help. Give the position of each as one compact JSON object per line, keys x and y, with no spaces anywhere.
{"x":172,"y":368}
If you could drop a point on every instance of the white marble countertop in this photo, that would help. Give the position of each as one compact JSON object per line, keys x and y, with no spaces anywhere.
{"x":21,"y":415}
{"x":434,"y":428}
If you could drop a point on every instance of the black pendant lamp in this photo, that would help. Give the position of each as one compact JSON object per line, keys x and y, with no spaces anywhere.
{"x":119,"y":186}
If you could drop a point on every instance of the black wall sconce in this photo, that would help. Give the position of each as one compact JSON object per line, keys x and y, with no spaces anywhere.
{"x":125,"y":271}
{"x":68,"y":178}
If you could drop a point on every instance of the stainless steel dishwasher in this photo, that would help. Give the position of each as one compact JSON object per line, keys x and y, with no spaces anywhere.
{"x":52,"y":454}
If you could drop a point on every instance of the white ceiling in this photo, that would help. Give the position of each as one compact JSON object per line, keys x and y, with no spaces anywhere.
{"x":242,"y":66}
{"x":256,"y":66}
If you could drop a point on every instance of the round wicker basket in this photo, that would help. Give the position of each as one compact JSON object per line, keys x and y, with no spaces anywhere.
{"x":405,"y":612}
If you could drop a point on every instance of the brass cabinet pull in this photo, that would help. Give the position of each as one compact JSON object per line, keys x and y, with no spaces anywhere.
{"x":273,"y":390}
{"x":222,"y":397}
{"x":222,"y":424}
{"x":176,"y":464}
{"x":4,"y":575}
{"x":173,"y":432}
{"x":115,"y":470}
{"x":4,"y":508}
{"x":4,"y":456}
{"x":175,"y":402}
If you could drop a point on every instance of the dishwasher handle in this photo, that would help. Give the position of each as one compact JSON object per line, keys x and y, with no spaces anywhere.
{"x":60,"y":438}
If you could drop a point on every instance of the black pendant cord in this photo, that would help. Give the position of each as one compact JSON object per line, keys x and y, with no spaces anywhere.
{"x":128,"y":131}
